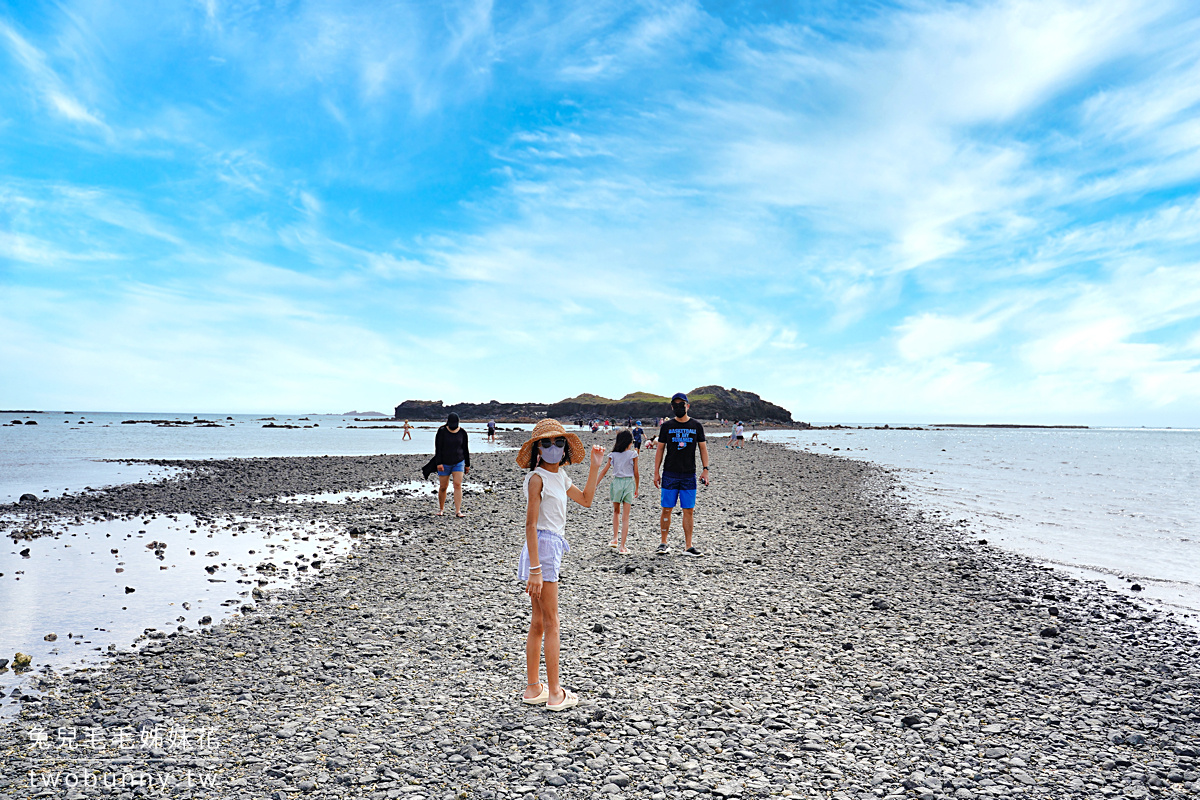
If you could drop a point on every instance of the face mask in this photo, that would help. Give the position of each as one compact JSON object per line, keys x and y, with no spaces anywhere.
{"x":679,"y":408}
{"x":552,"y":454}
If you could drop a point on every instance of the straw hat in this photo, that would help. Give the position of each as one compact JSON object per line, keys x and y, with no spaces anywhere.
{"x":551,"y":429}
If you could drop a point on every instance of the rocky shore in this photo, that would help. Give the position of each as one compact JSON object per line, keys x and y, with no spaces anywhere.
{"x":832,"y":643}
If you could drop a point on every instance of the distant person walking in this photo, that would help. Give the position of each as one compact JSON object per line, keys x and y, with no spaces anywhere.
{"x":547,"y":488}
{"x":407,"y":431}
{"x":678,"y":440}
{"x":638,"y":434}
{"x":453,"y":460}
{"x":491,"y":430}
{"x":625,"y":486}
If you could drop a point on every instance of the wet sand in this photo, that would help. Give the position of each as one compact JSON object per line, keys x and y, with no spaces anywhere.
{"x":833,"y":642}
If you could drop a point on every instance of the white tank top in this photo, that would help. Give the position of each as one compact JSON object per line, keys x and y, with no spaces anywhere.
{"x":552,"y":513}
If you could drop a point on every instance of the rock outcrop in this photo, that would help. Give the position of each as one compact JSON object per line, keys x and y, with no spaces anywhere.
{"x":708,"y":402}
{"x":436,"y":410}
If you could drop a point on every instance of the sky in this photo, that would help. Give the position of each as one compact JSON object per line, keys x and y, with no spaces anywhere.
{"x":869,"y":211}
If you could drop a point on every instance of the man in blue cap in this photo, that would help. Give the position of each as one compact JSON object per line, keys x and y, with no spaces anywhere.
{"x":679,"y":439}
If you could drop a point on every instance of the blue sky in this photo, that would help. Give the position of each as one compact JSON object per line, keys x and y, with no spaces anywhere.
{"x":981,"y":211}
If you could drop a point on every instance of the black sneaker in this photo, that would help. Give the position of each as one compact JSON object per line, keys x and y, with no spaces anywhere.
{"x":661,"y":551}
{"x":691,"y":551}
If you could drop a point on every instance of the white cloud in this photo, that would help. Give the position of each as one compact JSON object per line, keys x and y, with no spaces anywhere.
{"x":65,"y":214}
{"x":931,"y":335}
{"x":891,"y":147}
{"x":48,"y":85}
{"x":34,"y":251}
{"x":1104,"y":334}
{"x":651,"y":34}
{"x":255,"y":353}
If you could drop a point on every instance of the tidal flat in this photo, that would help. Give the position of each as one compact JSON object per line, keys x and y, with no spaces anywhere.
{"x":833,"y":642}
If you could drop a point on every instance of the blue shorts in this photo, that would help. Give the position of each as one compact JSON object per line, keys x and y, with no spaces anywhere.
{"x":678,"y":487}
{"x":459,"y":467}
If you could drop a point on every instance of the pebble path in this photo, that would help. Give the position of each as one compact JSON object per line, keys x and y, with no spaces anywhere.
{"x":833,"y":642}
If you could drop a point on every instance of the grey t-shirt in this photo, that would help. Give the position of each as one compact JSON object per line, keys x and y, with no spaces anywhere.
{"x":622,"y":463}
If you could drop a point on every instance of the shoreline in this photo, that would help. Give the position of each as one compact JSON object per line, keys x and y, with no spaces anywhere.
{"x":834,"y":640}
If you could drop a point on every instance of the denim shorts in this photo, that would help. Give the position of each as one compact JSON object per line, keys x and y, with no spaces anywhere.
{"x":459,"y":467}
{"x":551,"y":549}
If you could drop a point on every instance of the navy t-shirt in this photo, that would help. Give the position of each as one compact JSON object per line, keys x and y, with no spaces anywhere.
{"x":680,"y":440}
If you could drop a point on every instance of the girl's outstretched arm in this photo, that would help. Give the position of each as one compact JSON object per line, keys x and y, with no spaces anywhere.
{"x":584,"y":498}
{"x":637,"y":477}
{"x":603,"y":472}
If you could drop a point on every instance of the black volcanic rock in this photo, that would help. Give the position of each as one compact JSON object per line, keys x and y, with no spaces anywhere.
{"x":707,"y":403}
{"x":421,"y":409}
{"x":436,"y":410}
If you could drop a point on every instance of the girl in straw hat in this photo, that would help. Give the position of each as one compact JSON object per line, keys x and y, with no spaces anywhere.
{"x":547,"y":487}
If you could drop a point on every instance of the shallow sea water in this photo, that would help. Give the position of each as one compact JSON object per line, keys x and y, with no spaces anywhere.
{"x":75,"y":587}
{"x":408,"y":488}
{"x":1117,"y":505}
{"x":64,"y":452}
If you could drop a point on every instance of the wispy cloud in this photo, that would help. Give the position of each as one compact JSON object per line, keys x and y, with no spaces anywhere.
{"x":50,"y":89}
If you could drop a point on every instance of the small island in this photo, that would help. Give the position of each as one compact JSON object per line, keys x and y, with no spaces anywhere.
{"x":707,"y":402}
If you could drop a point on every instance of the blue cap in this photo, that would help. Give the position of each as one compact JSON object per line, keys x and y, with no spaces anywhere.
{"x":679,"y":396}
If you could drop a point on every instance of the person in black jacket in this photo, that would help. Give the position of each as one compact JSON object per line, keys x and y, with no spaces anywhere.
{"x":453,"y":460}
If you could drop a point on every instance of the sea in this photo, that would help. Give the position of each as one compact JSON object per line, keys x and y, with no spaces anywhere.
{"x":1116,"y":505}
{"x":68,"y":452}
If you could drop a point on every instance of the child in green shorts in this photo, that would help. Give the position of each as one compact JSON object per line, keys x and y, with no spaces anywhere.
{"x":624,"y":487}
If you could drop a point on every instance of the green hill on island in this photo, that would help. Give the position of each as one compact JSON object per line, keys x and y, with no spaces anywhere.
{"x":632,"y":397}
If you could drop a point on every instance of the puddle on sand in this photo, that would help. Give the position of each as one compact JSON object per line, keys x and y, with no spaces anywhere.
{"x":75,"y":587}
{"x":406,"y":489}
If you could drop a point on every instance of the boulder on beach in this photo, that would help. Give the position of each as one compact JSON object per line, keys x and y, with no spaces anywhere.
{"x":28,"y":498}
{"x":21,"y":661}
